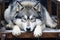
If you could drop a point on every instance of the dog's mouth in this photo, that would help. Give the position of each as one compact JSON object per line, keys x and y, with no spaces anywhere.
{"x":28,"y":29}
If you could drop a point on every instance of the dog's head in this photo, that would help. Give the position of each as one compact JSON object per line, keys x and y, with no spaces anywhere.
{"x":26,"y":13}
{"x":27,"y":23}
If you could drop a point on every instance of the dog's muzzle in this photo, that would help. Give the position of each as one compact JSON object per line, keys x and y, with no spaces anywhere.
{"x":28,"y":29}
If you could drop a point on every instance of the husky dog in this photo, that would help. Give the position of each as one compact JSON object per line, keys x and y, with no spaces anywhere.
{"x":31,"y":24}
{"x":28,"y":16}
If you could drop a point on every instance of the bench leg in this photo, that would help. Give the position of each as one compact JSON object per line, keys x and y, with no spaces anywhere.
{"x":3,"y":36}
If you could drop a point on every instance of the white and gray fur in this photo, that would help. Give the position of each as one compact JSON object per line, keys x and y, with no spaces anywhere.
{"x":38,"y":11}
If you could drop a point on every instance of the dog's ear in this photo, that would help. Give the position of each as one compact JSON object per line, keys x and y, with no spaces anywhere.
{"x":37,"y":7}
{"x":19,"y":5}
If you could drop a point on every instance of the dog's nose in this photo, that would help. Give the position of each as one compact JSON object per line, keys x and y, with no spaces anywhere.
{"x":28,"y":29}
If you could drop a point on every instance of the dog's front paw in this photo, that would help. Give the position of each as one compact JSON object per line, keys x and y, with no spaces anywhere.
{"x":9,"y":25}
{"x":37,"y":32}
{"x":16,"y":31}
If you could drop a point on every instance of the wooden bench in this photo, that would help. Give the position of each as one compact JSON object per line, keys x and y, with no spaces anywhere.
{"x":45,"y":34}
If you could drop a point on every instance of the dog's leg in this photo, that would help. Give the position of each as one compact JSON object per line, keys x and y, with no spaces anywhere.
{"x":7,"y":17}
{"x":49,"y":21}
{"x":38,"y":30}
{"x":7,"y":14}
{"x":16,"y":30}
{"x":9,"y":25}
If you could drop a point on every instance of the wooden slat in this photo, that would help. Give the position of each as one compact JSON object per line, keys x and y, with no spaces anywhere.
{"x":30,"y":35}
{"x":58,"y":13}
{"x":49,"y":6}
{"x":2,"y":8}
{"x":53,"y":33}
{"x":0,"y":12}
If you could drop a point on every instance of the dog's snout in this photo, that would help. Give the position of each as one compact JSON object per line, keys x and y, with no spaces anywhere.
{"x":28,"y":29}
{"x":17,"y":11}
